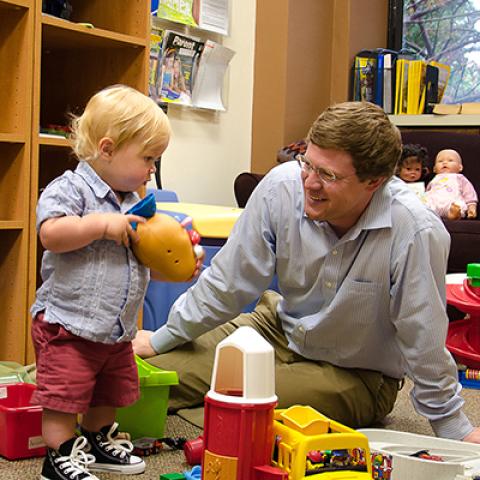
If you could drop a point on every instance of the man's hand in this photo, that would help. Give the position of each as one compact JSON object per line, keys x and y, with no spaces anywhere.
{"x":141,"y":344}
{"x":473,"y":437}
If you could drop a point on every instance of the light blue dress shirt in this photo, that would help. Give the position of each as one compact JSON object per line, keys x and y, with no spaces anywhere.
{"x":94,"y":292}
{"x":372,"y":299}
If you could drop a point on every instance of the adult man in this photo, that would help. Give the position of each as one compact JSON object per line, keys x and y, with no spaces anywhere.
{"x":361,"y":269}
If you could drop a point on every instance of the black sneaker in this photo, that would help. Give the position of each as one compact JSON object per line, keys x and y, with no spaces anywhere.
{"x":70,"y":462}
{"x":112,"y":454}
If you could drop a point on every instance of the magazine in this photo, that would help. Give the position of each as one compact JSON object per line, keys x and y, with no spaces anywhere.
{"x":180,"y":55}
{"x":208,"y":86}
{"x":211,"y":15}
{"x":156,"y":37}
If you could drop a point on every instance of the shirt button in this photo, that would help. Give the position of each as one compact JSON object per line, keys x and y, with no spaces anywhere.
{"x":301,"y":329}
{"x":328,"y":284}
{"x":334,"y":252}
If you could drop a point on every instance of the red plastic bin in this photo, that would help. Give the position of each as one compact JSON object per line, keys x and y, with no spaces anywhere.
{"x":20,"y":422}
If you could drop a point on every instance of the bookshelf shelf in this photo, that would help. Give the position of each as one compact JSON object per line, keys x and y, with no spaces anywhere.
{"x":62,"y":34}
{"x":12,"y":138}
{"x":15,"y":4}
{"x":11,"y":225}
{"x":54,"y":141}
{"x":435,"y":120}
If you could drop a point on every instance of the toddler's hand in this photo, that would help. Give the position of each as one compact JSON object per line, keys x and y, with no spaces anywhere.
{"x":119,"y":229}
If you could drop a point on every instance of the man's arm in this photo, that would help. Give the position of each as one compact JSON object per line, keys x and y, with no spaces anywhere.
{"x":239,"y":273}
{"x":419,"y":315}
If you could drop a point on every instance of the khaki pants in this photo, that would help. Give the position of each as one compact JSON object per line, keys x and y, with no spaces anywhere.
{"x":354,"y":397}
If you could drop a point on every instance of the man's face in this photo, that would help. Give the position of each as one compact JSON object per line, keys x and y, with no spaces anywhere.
{"x":340,"y":202}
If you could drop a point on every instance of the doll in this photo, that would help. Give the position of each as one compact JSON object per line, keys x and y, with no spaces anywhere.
{"x":412,"y":166}
{"x":450,"y":194}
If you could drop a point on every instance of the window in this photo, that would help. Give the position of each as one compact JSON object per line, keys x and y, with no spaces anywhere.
{"x":447,"y":31}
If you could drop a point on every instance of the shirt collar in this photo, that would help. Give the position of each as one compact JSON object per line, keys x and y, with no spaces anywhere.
{"x":101,"y":189}
{"x":376,"y":216}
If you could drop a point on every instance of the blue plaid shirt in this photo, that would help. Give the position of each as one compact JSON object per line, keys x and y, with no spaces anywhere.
{"x":94,"y":292}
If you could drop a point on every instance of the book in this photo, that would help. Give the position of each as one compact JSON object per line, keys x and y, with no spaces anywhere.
{"x":378,"y":89}
{"x":365,"y":64}
{"x":431,"y":88}
{"x":443,"y":76}
{"x":388,"y":82}
{"x":180,"y":55}
{"x":208,"y":85}
{"x":447,"y":108}
{"x":471,"y":108}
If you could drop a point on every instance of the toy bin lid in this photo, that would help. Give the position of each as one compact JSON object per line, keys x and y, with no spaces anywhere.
{"x":210,"y":221}
{"x":244,"y":369}
{"x":150,"y":376}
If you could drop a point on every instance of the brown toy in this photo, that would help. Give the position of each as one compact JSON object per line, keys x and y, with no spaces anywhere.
{"x":167,"y":247}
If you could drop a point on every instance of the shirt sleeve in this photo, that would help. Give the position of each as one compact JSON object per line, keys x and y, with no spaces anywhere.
{"x":468,"y":191}
{"x":60,"y":198}
{"x":418,"y":313}
{"x":239,"y":273}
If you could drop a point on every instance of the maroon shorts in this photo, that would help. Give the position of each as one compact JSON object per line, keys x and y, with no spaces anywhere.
{"x":74,"y":374}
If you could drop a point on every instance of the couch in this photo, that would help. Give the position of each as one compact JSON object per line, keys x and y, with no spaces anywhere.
{"x":465,"y":234}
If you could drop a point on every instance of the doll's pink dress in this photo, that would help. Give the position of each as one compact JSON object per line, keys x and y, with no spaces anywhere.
{"x":448,"y":188}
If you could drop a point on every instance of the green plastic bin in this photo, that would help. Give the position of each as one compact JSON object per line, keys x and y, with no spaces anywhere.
{"x":146,"y":417}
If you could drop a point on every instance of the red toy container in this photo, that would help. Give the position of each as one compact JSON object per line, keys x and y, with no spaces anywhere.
{"x":240,"y":431}
{"x":20,"y":422}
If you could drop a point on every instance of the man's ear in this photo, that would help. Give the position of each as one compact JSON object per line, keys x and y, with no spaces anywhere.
{"x":106,"y":147}
{"x":375,"y":183}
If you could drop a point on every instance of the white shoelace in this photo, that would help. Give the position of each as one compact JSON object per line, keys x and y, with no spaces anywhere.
{"x":78,"y":461}
{"x":120,"y":446}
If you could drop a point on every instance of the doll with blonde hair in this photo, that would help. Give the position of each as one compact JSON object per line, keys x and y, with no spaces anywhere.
{"x":450,"y":194}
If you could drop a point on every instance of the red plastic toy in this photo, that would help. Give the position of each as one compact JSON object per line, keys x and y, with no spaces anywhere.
{"x":463,"y":338}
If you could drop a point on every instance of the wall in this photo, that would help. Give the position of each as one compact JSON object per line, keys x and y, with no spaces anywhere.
{"x":293,"y":59}
{"x":303,"y":58}
{"x":209,"y":149}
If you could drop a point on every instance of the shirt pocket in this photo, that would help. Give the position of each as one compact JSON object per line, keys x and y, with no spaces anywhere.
{"x":348,"y":323}
{"x":356,"y":313}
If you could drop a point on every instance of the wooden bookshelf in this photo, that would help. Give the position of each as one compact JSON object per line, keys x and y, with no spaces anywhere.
{"x":16,"y":59}
{"x":53,"y":67}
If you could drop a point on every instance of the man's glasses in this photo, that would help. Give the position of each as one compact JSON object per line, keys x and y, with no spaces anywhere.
{"x":324,"y":175}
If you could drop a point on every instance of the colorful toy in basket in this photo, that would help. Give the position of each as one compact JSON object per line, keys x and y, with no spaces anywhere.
{"x":463,"y":338}
{"x":167,"y":245}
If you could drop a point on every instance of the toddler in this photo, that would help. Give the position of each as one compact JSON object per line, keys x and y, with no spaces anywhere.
{"x":85,"y":312}
{"x":450,"y":194}
{"x":412,"y":166}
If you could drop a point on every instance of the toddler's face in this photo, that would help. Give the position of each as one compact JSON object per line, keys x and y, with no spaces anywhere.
{"x":448,"y":161}
{"x":411,"y":170}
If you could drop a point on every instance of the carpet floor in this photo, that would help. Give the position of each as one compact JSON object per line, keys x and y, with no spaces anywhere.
{"x":402,"y":418}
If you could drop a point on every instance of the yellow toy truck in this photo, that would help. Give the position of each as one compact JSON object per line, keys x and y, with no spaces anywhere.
{"x":310,"y":446}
